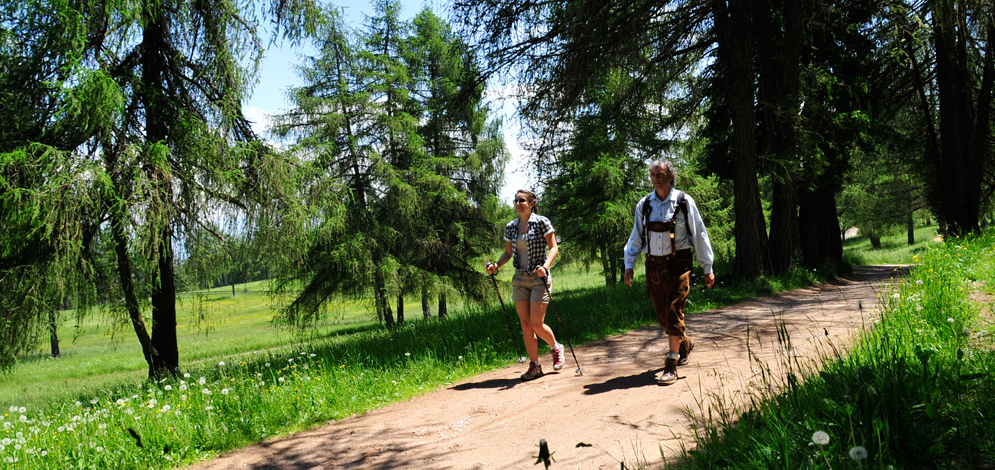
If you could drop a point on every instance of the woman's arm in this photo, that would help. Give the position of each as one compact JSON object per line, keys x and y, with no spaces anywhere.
{"x":553,"y":250}
{"x":492,"y":268}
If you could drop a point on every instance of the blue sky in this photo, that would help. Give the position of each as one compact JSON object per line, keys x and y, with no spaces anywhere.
{"x":278,"y":73}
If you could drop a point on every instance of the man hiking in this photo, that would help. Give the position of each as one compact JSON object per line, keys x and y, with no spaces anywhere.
{"x":667,"y":226}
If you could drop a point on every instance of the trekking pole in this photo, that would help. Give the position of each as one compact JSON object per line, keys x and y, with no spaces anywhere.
{"x":507,"y":319}
{"x":580,"y":370}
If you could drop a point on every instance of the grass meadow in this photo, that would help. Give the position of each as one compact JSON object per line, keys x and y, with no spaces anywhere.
{"x":245,"y":380}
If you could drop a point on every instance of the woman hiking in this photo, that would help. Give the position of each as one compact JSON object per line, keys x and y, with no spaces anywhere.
{"x":526,"y":239}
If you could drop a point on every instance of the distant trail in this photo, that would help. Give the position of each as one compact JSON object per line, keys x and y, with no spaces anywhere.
{"x":495,"y":421}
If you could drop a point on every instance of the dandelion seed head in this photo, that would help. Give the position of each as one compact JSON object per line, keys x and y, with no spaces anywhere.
{"x":221,"y":364}
{"x":22,"y":418}
{"x":186,"y":376}
{"x":13,"y":409}
{"x":168,"y":387}
{"x":208,"y":408}
{"x":407,"y":354}
{"x":858,"y":453}
{"x":206,"y":391}
{"x":950,"y":320}
{"x":224,"y":391}
{"x":820,"y":438}
{"x":202,"y":380}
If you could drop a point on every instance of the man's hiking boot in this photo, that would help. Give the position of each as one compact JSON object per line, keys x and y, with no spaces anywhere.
{"x":558,"y":357}
{"x":534,"y":372}
{"x":669,"y":374}
{"x":685,"y":350}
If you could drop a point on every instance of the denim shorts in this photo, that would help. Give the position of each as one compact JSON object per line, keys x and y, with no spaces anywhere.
{"x":528,"y":287}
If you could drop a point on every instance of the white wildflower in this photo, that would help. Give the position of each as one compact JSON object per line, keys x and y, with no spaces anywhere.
{"x":820,"y":438}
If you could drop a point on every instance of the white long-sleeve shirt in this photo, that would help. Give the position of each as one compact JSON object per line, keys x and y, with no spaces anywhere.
{"x":658,"y":244}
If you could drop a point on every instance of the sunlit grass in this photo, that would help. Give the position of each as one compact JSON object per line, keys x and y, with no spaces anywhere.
{"x":895,"y":248}
{"x":917,"y":390}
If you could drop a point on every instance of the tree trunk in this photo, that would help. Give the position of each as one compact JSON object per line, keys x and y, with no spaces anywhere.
{"x":875,"y":241}
{"x":818,"y":226}
{"x":157,"y":112}
{"x":128,"y":288}
{"x":443,"y":309}
{"x":910,"y":225}
{"x":964,"y":150}
{"x":733,"y":31}
{"x":400,"y":309}
{"x":613,"y":268}
{"x":783,"y":226}
{"x":779,"y":44}
{"x":382,"y":306}
{"x":426,"y":313}
{"x":164,"y":310}
{"x":53,"y":330}
{"x":606,"y":265}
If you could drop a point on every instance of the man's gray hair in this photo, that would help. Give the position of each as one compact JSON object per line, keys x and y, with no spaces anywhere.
{"x":667,"y":165}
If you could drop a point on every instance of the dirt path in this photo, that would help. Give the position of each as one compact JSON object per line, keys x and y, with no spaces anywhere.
{"x":495,"y":421}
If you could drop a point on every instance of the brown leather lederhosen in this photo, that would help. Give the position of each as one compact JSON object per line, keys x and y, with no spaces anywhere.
{"x":668,"y":280}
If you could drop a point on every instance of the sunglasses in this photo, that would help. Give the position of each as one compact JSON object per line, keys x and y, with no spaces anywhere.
{"x":521,"y":201}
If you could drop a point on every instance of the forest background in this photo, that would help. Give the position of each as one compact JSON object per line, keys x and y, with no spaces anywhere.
{"x":129,"y":172}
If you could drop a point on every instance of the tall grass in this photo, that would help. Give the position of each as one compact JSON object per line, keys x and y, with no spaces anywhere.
{"x":917,"y":390}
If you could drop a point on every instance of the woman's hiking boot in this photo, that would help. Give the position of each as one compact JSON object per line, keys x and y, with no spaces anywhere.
{"x":669,"y":374}
{"x":686,"y":346}
{"x":558,"y":356}
{"x":534,"y":372}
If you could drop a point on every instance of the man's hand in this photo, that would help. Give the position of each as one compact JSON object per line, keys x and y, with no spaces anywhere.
{"x":627,"y":277}
{"x":709,"y":280}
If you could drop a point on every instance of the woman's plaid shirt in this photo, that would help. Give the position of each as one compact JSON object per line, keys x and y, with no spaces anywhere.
{"x":539,"y":227}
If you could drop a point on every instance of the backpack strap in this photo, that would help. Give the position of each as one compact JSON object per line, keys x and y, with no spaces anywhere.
{"x":645,"y":208}
{"x":682,"y":204}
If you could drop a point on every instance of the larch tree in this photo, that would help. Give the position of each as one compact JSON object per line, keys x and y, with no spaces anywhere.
{"x":390,"y":154}
{"x":153,"y":128}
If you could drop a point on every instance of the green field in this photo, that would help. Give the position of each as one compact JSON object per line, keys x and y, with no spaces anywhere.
{"x":212,"y":326}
